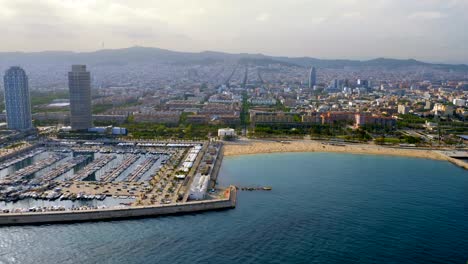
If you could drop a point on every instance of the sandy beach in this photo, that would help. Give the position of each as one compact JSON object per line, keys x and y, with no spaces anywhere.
{"x":249,"y":147}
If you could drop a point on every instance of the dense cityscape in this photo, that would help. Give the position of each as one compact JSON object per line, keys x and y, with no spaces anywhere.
{"x":387,"y":104}
{"x":143,"y":139}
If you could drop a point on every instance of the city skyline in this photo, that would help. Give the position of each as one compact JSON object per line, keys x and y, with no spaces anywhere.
{"x":351,"y":29}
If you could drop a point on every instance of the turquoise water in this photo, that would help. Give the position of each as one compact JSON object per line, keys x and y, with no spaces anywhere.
{"x":324,"y":208}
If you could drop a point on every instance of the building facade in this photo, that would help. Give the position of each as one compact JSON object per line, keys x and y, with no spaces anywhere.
{"x":365,"y":119}
{"x":312,"y":77}
{"x":79,"y":83}
{"x":17,"y":99}
{"x":272,"y":118}
{"x":330,"y":118}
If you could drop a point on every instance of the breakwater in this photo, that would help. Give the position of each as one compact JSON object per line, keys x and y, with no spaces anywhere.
{"x":228,"y":202}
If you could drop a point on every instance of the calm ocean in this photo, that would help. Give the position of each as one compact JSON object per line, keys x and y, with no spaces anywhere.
{"x":324,"y":208}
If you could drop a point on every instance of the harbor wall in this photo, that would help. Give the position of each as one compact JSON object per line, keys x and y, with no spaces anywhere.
{"x":216,"y":167}
{"x":122,"y":213}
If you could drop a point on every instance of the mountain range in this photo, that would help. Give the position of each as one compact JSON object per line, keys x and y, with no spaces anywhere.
{"x":156,"y":55}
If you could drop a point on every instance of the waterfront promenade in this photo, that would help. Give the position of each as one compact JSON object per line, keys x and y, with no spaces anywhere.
{"x":248,"y":147}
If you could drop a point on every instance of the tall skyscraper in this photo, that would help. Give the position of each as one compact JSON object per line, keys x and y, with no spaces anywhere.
{"x":17,"y":102}
{"x":79,"y":83}
{"x":312,"y":77}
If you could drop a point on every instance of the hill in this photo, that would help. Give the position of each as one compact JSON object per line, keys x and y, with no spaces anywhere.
{"x":145,"y":55}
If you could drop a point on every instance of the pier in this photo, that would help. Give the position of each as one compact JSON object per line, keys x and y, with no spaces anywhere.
{"x":115,"y":173}
{"x":93,"y":167}
{"x":142,"y":169}
{"x":264,"y":188}
{"x":29,"y":218}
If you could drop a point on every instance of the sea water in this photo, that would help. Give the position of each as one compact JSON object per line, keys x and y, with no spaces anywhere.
{"x":324,"y":208}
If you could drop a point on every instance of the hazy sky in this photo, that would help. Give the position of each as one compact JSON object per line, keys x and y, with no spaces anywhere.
{"x":433,"y":30}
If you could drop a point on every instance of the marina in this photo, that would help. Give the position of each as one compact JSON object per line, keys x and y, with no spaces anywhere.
{"x":67,"y":176}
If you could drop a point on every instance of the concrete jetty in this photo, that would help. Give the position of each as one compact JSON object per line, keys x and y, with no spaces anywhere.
{"x":30,"y":218}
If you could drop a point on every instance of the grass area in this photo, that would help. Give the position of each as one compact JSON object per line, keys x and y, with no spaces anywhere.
{"x":411,"y":121}
{"x":399,"y":140}
{"x":49,"y":110}
{"x":101,"y":108}
{"x":244,"y":115}
{"x":392,"y":140}
{"x":161,"y":131}
{"x":42,"y":98}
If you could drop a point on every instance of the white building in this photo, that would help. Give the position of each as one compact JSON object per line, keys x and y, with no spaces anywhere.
{"x":262,"y":101}
{"x":199,"y":187}
{"x":226,"y":132}
{"x":403,"y":109}
{"x":459,"y":102}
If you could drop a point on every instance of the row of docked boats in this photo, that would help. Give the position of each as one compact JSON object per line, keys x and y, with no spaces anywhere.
{"x":126,"y":163}
{"x":84,"y":196}
{"x":13,"y":161}
{"x":57,"y":195}
{"x":59,"y":170}
{"x":142,"y":169}
{"x":95,"y":166}
{"x":43,"y":209}
{"x":35,"y":209}
{"x":29,"y":170}
{"x":118,"y":151}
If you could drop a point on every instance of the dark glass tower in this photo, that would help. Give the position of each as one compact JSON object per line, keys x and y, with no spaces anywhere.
{"x":79,"y":83}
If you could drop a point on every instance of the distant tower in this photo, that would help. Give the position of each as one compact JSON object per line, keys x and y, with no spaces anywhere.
{"x":312,"y":77}
{"x":17,"y":102}
{"x":79,"y":83}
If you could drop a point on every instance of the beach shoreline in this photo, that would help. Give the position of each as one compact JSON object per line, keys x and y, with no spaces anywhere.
{"x":252,"y":147}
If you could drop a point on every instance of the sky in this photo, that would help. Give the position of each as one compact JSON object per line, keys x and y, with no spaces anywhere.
{"x":430,"y":30}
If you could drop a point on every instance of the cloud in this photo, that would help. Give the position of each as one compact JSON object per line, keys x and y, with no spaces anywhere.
{"x":263,"y":17}
{"x":352,"y":15}
{"x":193,"y":12}
{"x":332,"y":28}
{"x":426,"y":15}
